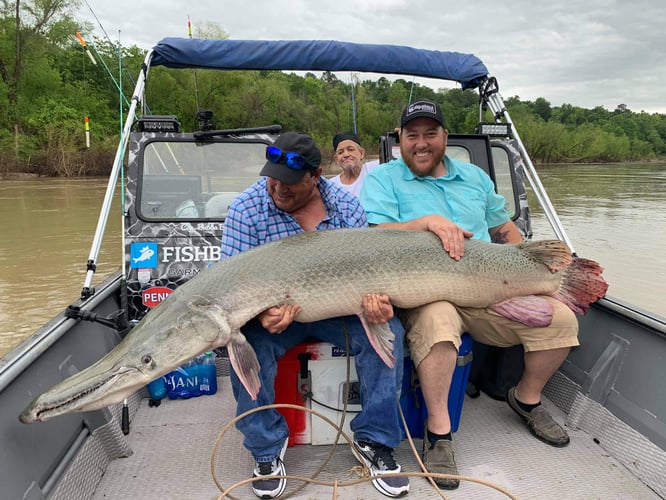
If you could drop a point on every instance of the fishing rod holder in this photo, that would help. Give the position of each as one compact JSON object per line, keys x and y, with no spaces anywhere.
{"x":116,"y":320}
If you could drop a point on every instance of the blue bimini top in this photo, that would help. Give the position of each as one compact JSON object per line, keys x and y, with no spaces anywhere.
{"x":319,"y":55}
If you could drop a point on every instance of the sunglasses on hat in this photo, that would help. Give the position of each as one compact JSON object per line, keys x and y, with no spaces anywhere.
{"x":293,"y":160}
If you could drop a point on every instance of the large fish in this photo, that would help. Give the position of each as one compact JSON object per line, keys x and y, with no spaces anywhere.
{"x":327,"y":273}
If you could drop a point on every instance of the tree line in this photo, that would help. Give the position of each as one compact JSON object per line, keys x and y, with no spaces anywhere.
{"x":49,"y":84}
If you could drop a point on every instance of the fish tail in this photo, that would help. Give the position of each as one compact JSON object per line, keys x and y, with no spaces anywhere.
{"x":582,"y":285}
{"x":554,"y":254}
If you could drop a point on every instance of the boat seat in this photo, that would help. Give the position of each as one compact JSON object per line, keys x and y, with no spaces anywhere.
{"x":187,"y":209}
{"x":166,"y":196}
{"x":218,"y":204}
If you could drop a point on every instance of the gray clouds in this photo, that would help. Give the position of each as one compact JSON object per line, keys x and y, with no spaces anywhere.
{"x":583,"y":52}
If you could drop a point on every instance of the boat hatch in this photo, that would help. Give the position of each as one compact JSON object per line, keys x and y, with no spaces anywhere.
{"x":179,"y":188}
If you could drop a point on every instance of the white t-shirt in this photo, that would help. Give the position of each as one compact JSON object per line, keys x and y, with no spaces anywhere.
{"x":355,"y":187}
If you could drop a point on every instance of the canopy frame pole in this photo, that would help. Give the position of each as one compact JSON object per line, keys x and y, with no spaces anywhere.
{"x":137,"y":97}
{"x":490,"y":95}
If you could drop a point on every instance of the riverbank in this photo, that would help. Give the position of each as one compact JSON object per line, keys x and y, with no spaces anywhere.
{"x":329,"y":167}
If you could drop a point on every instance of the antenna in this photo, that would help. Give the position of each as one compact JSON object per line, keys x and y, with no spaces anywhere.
{"x":196,"y":86}
{"x":120,"y":83}
{"x":353,"y":103}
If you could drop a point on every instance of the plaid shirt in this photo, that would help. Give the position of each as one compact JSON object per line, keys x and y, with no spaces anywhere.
{"x":254,"y":219}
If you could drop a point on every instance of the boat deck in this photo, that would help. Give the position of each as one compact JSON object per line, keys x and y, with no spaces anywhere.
{"x":172,"y":447}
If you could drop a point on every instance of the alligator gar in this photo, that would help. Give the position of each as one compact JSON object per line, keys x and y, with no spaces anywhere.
{"x":327,"y":273}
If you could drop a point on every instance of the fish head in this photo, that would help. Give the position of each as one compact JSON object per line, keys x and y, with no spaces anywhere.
{"x":173,"y":333}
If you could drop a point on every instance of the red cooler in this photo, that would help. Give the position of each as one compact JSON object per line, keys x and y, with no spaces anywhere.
{"x":309,"y":368}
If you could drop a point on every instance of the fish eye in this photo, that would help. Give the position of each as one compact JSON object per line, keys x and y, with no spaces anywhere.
{"x":146,"y":359}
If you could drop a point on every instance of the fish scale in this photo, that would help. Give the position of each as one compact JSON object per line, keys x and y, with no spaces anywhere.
{"x":327,"y":273}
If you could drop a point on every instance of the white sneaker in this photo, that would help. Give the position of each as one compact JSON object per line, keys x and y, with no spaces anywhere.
{"x":379,"y":460}
{"x":270,"y":487}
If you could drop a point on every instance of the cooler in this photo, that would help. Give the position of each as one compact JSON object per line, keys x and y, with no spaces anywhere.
{"x":329,"y":391}
{"x":412,"y":402}
{"x":288,"y":383}
{"x":318,"y":370}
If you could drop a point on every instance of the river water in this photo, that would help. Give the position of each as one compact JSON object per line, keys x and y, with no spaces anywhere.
{"x":615,"y":214}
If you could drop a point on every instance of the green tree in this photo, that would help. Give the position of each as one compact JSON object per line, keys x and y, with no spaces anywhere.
{"x":542,"y":108}
{"x":456,"y":105}
{"x":30,"y":32}
{"x":48,"y":85}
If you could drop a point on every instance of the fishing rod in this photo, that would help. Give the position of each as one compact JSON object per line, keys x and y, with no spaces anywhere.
{"x":124,"y":70}
{"x":124,"y":418}
{"x":118,"y":163}
{"x":99,"y":23}
{"x":106,"y":68}
{"x":116,"y":171}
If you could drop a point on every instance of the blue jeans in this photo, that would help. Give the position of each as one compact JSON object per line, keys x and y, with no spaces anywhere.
{"x":378,"y":422}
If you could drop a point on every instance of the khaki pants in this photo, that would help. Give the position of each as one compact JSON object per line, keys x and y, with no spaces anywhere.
{"x":445,"y":322}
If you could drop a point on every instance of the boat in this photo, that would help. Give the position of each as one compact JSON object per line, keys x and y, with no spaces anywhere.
{"x":177,"y":187}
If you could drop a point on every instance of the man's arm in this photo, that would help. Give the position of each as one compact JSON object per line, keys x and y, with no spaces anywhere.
{"x":506,"y":233}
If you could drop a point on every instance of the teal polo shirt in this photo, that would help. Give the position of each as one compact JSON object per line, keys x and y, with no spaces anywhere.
{"x":465,"y":195}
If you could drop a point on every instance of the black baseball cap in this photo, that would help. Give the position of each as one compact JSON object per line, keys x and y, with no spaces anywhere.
{"x":345,"y":136}
{"x":293,"y":142}
{"x":422,"y":109}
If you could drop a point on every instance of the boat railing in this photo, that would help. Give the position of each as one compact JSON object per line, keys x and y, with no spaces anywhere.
{"x":652,"y":321}
{"x":490,"y":95}
{"x":33,"y":347}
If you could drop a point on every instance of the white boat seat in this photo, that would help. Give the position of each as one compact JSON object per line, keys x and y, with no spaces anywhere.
{"x":218,"y":204}
{"x":187,"y":209}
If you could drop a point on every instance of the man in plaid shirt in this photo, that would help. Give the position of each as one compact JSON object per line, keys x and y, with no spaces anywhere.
{"x":291,"y":199}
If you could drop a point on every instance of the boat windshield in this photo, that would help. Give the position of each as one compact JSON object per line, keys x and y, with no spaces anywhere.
{"x":193,"y":180}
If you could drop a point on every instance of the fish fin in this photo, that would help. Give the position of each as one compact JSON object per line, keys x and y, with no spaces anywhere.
{"x":581,"y":285}
{"x":554,"y":254}
{"x":244,"y":361}
{"x":381,"y":338}
{"x":530,"y":310}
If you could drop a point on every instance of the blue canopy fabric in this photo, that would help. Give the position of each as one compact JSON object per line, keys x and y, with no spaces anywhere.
{"x":319,"y":55}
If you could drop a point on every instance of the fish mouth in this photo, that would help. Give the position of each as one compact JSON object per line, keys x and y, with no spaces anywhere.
{"x":81,"y":397}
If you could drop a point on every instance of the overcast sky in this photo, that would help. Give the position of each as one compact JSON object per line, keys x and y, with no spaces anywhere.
{"x":583,"y":52}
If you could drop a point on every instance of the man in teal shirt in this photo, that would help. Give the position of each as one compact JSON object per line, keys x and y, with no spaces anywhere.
{"x":464,"y":194}
{"x":426,"y":190}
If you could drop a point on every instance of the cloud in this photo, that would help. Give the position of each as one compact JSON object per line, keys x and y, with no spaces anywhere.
{"x":583,"y":52}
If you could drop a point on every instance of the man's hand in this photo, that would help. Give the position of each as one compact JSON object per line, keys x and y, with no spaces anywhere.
{"x":452,"y":235}
{"x":277,"y":319}
{"x":377,"y":308}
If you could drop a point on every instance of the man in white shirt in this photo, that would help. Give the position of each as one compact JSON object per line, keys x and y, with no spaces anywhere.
{"x":349,"y":155}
